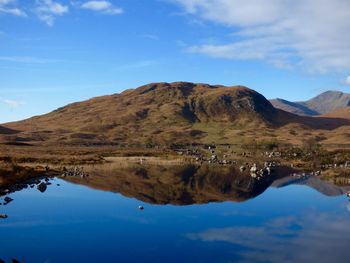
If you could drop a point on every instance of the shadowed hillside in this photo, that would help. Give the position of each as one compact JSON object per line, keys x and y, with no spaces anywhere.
{"x":4,"y":130}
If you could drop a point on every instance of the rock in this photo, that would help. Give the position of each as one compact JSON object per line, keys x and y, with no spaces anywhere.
{"x":6,"y":191}
{"x":8,"y":199}
{"x":268,"y":170}
{"x":242,"y":168}
{"x":254,"y":168}
{"x":348,"y":194}
{"x":3,"y":216}
{"x":42,"y":187}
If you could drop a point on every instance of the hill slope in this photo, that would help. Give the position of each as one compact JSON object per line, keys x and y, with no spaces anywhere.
{"x":321,"y":104}
{"x":339,"y":113}
{"x":168,"y":113}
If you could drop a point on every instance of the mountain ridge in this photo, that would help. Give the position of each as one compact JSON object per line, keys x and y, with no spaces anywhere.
{"x":323,"y":103}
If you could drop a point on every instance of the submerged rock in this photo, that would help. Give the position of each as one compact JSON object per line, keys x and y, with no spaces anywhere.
{"x":3,"y":216}
{"x":42,"y":187}
{"x":7,"y":200}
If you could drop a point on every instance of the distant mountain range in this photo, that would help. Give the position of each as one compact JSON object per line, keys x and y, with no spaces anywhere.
{"x":314,"y":182}
{"x":322,"y":104}
{"x":182,"y":113}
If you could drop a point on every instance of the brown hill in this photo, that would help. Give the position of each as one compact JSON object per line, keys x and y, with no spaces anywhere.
{"x":167,"y":113}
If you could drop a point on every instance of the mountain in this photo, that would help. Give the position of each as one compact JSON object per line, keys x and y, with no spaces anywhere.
{"x":293,"y":107}
{"x":321,"y":104}
{"x":162,"y":111}
{"x":172,"y":113}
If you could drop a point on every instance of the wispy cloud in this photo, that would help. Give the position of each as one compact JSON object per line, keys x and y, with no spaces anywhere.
{"x":29,"y":60}
{"x":104,"y":7}
{"x":308,"y":34}
{"x":287,"y":239}
{"x":13,"y":104}
{"x":8,"y":7}
{"x":41,"y":60}
{"x":150,"y":36}
{"x":47,"y":10}
{"x":138,"y":64}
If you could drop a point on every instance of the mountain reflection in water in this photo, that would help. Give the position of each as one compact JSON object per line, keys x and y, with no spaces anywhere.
{"x":193,"y":184}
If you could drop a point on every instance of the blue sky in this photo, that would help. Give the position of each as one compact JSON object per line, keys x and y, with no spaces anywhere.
{"x":54,"y":52}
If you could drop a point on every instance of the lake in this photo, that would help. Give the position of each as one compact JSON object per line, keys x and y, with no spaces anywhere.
{"x":191,"y":214}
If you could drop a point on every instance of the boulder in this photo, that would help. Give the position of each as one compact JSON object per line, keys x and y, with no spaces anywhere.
{"x":42,"y":187}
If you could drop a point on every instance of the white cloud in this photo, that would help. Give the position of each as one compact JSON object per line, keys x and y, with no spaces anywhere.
{"x":104,"y":7}
{"x":47,"y":10}
{"x":13,"y":104}
{"x":7,"y":7}
{"x":13,"y":11}
{"x":347,"y":81}
{"x":312,"y":34}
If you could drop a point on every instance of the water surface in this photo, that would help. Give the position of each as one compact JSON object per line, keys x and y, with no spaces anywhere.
{"x":191,"y":215}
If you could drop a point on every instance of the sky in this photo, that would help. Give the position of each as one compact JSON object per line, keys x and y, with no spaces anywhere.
{"x":55,"y":52}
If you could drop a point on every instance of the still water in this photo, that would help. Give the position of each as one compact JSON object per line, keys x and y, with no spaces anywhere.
{"x":190,"y":215}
